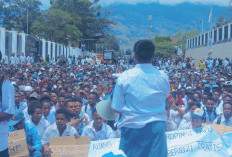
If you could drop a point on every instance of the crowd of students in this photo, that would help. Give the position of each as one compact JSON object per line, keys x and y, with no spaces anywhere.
{"x":60,"y":100}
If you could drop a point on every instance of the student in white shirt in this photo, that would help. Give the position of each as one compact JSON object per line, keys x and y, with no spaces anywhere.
{"x":91,"y":105}
{"x":97,"y":129}
{"x":171,"y":125}
{"x":35,"y":110}
{"x":226,"y":118}
{"x":187,"y":117}
{"x":196,"y":120}
{"x":12,"y":60}
{"x":58,"y":129}
{"x":7,"y":109}
{"x":48,"y":114}
{"x":5,"y":59}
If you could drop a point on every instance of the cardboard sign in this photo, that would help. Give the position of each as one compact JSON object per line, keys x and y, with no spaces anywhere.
{"x":222,"y":129}
{"x":204,"y":141}
{"x":17,"y":144}
{"x":69,"y":146}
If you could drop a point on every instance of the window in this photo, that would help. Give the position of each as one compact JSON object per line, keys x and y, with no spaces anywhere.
{"x":226,"y":32}
{"x":230,"y":30}
{"x":215,"y":35}
{"x":199,"y":40}
{"x":202,"y":39}
{"x":220,"y":34}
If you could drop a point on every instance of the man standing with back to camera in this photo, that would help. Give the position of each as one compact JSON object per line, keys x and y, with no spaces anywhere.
{"x":139,"y":97}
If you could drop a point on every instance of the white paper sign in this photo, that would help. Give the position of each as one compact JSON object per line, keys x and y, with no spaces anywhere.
{"x":227,"y":139}
{"x":104,"y":147}
{"x":200,"y":142}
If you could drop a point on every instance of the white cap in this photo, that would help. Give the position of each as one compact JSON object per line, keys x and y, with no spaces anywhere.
{"x":198,"y":113}
{"x":28,"y":89}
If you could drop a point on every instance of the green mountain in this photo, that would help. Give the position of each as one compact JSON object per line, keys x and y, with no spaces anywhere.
{"x":133,"y":23}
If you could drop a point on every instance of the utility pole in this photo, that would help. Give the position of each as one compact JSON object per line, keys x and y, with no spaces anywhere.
{"x":150,"y":26}
{"x":27,"y":20}
{"x":202,"y":25}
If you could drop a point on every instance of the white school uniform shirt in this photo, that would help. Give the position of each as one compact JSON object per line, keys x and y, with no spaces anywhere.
{"x":51,"y":118}
{"x":219,"y":108}
{"x":89,"y":111}
{"x":6,"y":59}
{"x":69,"y":61}
{"x":105,"y":133}
{"x":12,"y":60}
{"x":7,"y":105}
{"x":171,"y":125}
{"x":140,"y":95}
{"x":22,"y":59}
{"x":223,"y":121}
{"x":16,"y":60}
{"x":185,"y":125}
{"x":27,"y":117}
{"x":41,"y":126}
{"x":175,"y":116}
{"x":52,"y":131}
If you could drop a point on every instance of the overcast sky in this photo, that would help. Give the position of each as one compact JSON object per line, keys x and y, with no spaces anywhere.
{"x":169,"y":2}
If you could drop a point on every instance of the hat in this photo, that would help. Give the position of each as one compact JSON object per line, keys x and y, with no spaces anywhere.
{"x":34,"y":76}
{"x":105,"y":111}
{"x":222,"y":80}
{"x":204,"y":81}
{"x":79,"y":75}
{"x":28,"y":89}
{"x":213,"y":83}
{"x":215,"y":86}
{"x":183,"y":80}
{"x":16,"y":118}
{"x":198,"y":113}
{"x":34,"y":95}
{"x":208,"y":85}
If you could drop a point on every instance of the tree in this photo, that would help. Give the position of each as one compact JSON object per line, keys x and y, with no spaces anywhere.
{"x":183,"y":35}
{"x":14,"y":13}
{"x":57,"y":25}
{"x":71,"y":21}
{"x":164,"y":45}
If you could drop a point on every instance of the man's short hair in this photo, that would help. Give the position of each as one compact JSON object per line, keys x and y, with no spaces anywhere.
{"x":62,"y":111}
{"x":144,"y":49}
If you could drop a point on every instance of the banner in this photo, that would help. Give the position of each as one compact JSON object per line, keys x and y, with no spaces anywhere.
{"x":227,"y":139}
{"x":17,"y":143}
{"x":69,"y":146}
{"x":105,"y":148}
{"x":198,"y":142}
{"x":181,"y":143}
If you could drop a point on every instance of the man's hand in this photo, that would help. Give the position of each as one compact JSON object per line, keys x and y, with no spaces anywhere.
{"x":30,"y":148}
{"x":85,"y":121}
{"x":5,"y":116}
{"x":47,"y":151}
{"x":76,"y":136}
{"x":74,"y":122}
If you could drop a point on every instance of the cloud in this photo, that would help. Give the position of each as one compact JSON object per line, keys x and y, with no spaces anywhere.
{"x":168,"y":2}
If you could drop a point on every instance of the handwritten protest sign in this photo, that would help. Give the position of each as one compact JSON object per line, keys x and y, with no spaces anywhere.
{"x":17,"y":144}
{"x":227,"y":140}
{"x":199,"y":142}
{"x":69,"y":146}
{"x":103,"y":147}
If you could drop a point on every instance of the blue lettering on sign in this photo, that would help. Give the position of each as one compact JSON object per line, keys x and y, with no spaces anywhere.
{"x":103,"y":145}
{"x":180,"y":150}
{"x":16,"y":148}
